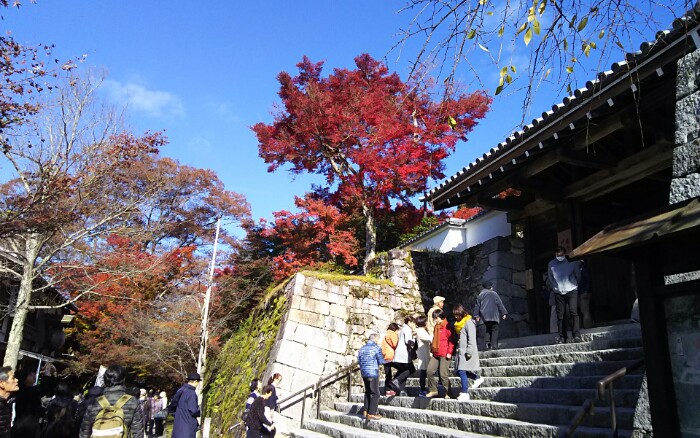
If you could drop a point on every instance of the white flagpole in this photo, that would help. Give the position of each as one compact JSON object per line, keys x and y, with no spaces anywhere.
{"x":201,"y":360}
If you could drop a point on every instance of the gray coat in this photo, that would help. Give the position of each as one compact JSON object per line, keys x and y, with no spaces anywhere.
{"x":405,"y":338}
{"x":467,"y":343}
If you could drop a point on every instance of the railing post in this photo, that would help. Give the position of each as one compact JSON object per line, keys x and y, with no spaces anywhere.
{"x":349,"y":384}
{"x":303,"y":406}
{"x":318,"y":402}
{"x":613,"y":418}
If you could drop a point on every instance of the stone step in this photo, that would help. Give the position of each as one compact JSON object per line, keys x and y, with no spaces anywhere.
{"x":338,"y":430}
{"x":559,"y":369}
{"x":633,"y":381}
{"x":407,"y":429}
{"x":526,"y":395}
{"x":494,"y":426}
{"x":305,"y":433}
{"x":543,"y":358}
{"x":528,"y":412}
{"x":618,"y":331}
{"x":569,"y":396}
{"x":564,"y":397}
{"x":598,"y":344}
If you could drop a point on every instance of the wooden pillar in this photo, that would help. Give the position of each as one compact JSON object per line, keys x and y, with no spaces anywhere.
{"x":662,"y":399}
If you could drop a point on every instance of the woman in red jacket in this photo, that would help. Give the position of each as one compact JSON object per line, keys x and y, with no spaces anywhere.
{"x":442,"y":348}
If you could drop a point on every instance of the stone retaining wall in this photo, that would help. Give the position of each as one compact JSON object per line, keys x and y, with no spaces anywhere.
{"x":327,"y":325}
{"x":459,"y":277}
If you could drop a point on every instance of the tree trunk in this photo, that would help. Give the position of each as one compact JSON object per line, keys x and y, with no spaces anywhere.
{"x":24,"y":296}
{"x":370,"y":235}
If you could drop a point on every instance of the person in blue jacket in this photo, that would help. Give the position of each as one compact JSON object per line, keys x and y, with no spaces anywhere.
{"x":186,"y":408}
{"x":369,"y":358}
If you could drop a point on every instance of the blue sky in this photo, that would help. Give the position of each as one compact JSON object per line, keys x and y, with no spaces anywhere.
{"x":204,"y":72}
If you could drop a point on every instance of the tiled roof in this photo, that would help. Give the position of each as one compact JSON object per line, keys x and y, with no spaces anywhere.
{"x":682,"y":27}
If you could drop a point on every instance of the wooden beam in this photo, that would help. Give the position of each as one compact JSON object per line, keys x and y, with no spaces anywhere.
{"x":597,"y":133}
{"x":583,"y":159}
{"x":532,"y":209}
{"x":509,"y":204}
{"x":648,"y":161}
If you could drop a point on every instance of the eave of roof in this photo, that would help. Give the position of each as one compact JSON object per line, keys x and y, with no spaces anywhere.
{"x":673,"y":219}
{"x":521,"y":143}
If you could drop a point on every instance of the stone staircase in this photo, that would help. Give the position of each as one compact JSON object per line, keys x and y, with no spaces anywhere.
{"x":531,"y":389}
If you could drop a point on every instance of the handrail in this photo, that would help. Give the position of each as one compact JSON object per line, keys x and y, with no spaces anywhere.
{"x":317,"y":387}
{"x":589,"y":405}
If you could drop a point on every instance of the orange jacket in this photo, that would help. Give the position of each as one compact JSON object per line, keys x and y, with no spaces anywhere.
{"x":389,"y":343}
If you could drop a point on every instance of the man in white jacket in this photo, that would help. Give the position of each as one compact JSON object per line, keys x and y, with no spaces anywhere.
{"x":564,"y":277}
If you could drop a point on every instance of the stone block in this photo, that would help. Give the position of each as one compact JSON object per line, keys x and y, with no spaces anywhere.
{"x":684,"y":188}
{"x":381,"y":313}
{"x":290,"y":353}
{"x":508,"y":260}
{"x":296,"y":302}
{"x":336,"y":342}
{"x":519,"y":305}
{"x":306,"y":333}
{"x":313,"y":360}
{"x":498,"y":243}
{"x":507,"y":289}
{"x":498,"y":273}
{"x":315,"y":306}
{"x":395,"y":302}
{"x":336,"y":325}
{"x":688,"y":119}
{"x":308,"y":318}
{"x":686,"y":159}
{"x":338,"y":311}
{"x":688,"y":75}
{"x":519,"y":278}
{"x":328,"y":296}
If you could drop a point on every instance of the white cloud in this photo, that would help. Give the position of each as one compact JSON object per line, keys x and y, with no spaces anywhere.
{"x":200,"y":145}
{"x":224,"y":111}
{"x":136,"y":97}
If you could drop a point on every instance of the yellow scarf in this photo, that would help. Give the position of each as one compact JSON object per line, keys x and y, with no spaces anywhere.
{"x":459,"y":325}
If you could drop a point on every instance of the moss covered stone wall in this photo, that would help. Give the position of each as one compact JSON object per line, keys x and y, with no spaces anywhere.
{"x":244,"y":357}
{"x":309,"y":327}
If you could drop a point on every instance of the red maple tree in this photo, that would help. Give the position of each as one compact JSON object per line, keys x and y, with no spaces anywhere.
{"x":373,"y":137}
{"x":310,"y":237}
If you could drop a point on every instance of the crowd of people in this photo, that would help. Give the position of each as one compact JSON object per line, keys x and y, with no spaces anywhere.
{"x":52,"y":409}
{"x":429,"y":344}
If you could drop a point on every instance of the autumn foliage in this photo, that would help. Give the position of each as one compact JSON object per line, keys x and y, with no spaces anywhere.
{"x":311,"y":237}
{"x":373,"y":137}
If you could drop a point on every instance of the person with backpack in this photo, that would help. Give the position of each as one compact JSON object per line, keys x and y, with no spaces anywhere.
{"x":185,"y":408}
{"x":114,"y":414}
{"x":389,"y":344}
{"x":59,"y":416}
{"x":404,"y":355}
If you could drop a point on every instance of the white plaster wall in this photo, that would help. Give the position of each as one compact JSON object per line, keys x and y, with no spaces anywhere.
{"x":450,"y":238}
{"x":487,"y":227}
{"x":459,"y":238}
